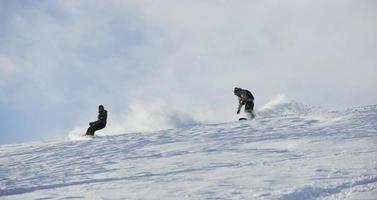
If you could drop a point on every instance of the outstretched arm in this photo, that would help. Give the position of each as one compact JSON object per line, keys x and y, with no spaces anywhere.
{"x":240,"y":103}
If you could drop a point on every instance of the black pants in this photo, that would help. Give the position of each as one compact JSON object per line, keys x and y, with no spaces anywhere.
{"x":249,"y":107}
{"x":94,"y":128}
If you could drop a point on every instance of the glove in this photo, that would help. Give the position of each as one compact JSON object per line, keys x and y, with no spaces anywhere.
{"x":91,"y":123}
{"x":238,"y":111}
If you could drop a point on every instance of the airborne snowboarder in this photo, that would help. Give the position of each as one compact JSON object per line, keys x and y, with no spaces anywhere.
{"x":100,"y":123}
{"x":245,"y":98}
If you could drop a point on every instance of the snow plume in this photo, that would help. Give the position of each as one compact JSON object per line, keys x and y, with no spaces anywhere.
{"x":160,"y":114}
{"x":143,"y":116}
{"x":283,"y":105}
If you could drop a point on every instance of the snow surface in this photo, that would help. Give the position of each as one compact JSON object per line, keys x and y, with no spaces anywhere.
{"x":290,"y":151}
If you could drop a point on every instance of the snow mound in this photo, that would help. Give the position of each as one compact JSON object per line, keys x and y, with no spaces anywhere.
{"x":282,"y":105}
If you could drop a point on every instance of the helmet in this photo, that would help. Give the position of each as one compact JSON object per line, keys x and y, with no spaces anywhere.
{"x":101,"y":107}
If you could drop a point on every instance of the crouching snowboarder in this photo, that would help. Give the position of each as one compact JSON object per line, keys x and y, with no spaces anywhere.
{"x":245,"y":98}
{"x":100,"y":123}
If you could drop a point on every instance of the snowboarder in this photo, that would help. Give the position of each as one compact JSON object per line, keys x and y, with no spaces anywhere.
{"x":100,"y":123}
{"x":245,"y":98}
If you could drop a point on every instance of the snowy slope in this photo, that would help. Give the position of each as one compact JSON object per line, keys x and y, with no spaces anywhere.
{"x":290,"y":151}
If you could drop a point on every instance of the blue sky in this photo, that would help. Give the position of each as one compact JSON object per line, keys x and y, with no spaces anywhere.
{"x":60,"y":59}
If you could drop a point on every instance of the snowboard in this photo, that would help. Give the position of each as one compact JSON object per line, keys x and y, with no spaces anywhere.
{"x":79,"y":136}
{"x":245,"y":118}
{"x":89,"y":136}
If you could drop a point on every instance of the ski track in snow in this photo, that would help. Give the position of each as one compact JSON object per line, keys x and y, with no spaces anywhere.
{"x":308,"y":155}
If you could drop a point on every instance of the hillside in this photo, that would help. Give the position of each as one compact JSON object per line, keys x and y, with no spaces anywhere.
{"x":290,"y":151}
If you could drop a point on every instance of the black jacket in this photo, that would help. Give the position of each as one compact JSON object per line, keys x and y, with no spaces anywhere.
{"x":102,"y":118}
{"x":244,"y":96}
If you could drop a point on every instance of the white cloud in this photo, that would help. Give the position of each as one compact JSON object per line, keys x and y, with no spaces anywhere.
{"x":7,"y":67}
{"x":6,"y":64}
{"x":314,"y":51}
{"x":190,"y":54}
